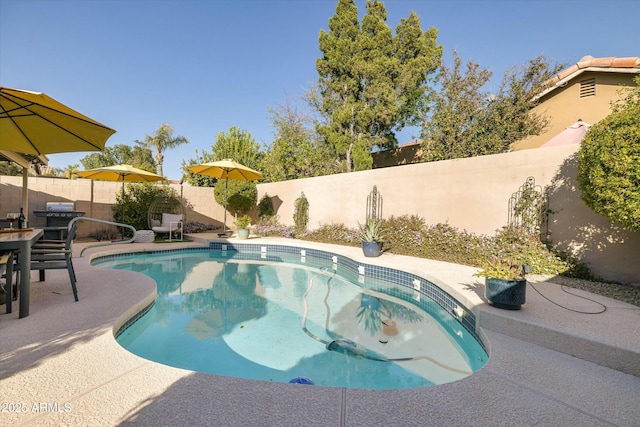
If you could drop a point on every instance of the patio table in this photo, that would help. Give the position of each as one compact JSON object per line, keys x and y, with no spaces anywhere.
{"x":22,"y":241}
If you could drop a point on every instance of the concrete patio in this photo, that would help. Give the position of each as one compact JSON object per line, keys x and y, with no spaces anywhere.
{"x":62,"y":365}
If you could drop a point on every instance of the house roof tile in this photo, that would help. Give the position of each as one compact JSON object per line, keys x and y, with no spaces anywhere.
{"x":600,"y":63}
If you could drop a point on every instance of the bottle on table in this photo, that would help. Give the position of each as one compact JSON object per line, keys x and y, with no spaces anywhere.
{"x":21,"y":219}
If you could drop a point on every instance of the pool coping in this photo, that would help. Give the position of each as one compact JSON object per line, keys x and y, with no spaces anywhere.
{"x":65,"y":352}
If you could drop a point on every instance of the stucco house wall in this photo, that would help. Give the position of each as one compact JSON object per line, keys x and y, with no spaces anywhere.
{"x":563,"y":104}
{"x":571,"y":98}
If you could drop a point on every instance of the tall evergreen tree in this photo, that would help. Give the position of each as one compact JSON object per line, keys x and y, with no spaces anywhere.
{"x":371,"y":82}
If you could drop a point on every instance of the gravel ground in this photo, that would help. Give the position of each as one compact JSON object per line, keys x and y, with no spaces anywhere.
{"x":627,"y":293}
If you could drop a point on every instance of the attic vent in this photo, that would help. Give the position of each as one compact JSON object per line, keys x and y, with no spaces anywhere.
{"x":588,"y":87}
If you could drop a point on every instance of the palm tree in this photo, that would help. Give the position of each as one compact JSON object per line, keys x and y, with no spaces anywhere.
{"x":162,"y":140}
{"x":70,"y":171}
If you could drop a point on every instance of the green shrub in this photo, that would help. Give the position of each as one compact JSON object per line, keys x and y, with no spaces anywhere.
{"x":609,"y":164}
{"x":243,"y":222}
{"x":301,"y":215}
{"x":137,"y":199}
{"x":241,"y":195}
{"x":410,"y":235}
{"x":516,"y":243}
{"x":265,"y":207}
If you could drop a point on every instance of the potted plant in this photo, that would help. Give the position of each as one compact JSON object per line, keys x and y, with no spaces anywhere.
{"x":505,"y":283}
{"x":371,"y":237}
{"x":242,"y":223}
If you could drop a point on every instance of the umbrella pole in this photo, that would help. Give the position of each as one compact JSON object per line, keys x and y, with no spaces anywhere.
{"x":122,"y":206}
{"x":224,"y":227}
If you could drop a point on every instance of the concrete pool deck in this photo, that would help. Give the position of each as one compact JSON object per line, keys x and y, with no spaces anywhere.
{"x":62,"y":365}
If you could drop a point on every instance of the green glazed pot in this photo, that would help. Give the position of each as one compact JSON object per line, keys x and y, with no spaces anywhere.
{"x":506,"y":294}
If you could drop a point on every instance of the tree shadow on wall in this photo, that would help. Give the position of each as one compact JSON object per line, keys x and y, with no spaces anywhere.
{"x":575,"y":229}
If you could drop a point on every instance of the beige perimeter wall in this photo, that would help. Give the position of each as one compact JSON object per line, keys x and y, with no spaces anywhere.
{"x":469,"y":194}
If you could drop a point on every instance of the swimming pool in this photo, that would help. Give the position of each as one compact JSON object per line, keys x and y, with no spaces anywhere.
{"x":280,"y":314}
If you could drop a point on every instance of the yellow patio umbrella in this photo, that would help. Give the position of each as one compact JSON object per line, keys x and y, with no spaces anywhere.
{"x":226,"y":169}
{"x":122,"y":173}
{"x":34,"y":123}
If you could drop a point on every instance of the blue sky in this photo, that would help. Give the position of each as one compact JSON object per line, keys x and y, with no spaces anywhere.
{"x":206,"y":65}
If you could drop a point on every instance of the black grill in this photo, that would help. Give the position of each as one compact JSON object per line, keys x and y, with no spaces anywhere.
{"x":58,"y":216}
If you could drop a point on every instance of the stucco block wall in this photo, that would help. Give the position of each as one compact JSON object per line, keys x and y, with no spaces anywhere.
{"x":472,"y":194}
{"x":469,"y":194}
{"x":96,"y":199}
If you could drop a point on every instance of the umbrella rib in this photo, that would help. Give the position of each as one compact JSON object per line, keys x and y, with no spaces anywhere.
{"x":10,"y":117}
{"x":87,"y":120}
{"x":30,"y":103}
{"x":8,"y":113}
{"x":60,"y":127}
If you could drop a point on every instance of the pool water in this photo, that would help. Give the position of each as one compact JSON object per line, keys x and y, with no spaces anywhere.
{"x":288,"y":319}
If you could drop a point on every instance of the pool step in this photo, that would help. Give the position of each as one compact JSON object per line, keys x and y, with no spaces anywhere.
{"x":564,"y":325}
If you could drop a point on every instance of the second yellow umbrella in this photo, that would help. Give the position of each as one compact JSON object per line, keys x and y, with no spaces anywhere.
{"x":123,"y":173}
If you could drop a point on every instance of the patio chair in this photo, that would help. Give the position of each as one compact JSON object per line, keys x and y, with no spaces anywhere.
{"x":166,"y":215}
{"x":170,"y":223}
{"x":53,"y":255}
{"x":161,"y":205}
{"x":6,"y":269}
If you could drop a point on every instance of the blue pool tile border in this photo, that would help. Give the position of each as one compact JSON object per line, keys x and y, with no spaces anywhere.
{"x":459,"y":313}
{"x":134,"y":319}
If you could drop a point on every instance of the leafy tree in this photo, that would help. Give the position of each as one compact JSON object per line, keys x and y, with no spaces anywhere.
{"x":162,"y":140}
{"x":238,"y":145}
{"x":195,"y":179}
{"x":10,"y":169}
{"x":119,"y":154}
{"x":609,"y":163}
{"x":371,"y":83}
{"x":141,"y":158}
{"x":297,"y":151}
{"x":465,"y":121}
